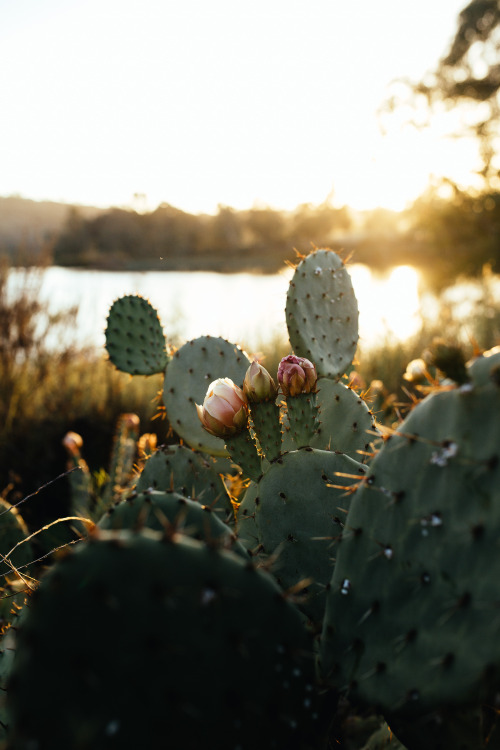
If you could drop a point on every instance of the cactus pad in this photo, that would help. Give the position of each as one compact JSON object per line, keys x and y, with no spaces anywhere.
{"x":246,"y":527}
{"x":211,"y":656}
{"x":180,"y":469}
{"x":169,"y":510}
{"x":322,"y":313}
{"x":13,"y":531}
{"x":346,"y":422}
{"x":486,"y":368}
{"x":411,"y":621}
{"x":300,"y":515}
{"x":192,"y":369}
{"x":134,"y":337}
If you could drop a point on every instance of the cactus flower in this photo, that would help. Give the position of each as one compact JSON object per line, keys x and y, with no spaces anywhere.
{"x":225,"y":408}
{"x":296,"y":375}
{"x":258,"y":384}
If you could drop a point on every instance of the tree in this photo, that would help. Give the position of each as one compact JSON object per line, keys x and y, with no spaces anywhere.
{"x":468,"y":77}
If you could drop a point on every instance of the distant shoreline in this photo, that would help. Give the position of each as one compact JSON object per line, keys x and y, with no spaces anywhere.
{"x":215,"y":265}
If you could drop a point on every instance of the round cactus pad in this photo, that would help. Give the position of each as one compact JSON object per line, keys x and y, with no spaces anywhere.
{"x":134,"y":337}
{"x":322,"y":313}
{"x":178,"y":468}
{"x":191,"y":370}
{"x":345,"y":421}
{"x":412,"y":613}
{"x":169,"y":510}
{"x":139,"y":641}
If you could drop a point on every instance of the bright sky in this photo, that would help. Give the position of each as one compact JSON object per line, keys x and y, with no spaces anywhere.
{"x":198,"y":103}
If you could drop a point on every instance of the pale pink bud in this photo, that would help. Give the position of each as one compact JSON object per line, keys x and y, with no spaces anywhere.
{"x":225,"y":408}
{"x":416,"y":371}
{"x":73,"y":443}
{"x":130,"y":421}
{"x":258,"y":384}
{"x":296,"y":375}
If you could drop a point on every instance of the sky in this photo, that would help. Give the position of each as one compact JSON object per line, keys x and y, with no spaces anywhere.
{"x":202,"y":103}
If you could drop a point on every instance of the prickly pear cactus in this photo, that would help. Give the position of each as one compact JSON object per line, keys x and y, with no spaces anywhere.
{"x":90,"y":498}
{"x":7,"y":650}
{"x":301,"y":508}
{"x":193,"y":367}
{"x":322,"y":313}
{"x":15,"y":551}
{"x":134,"y":337}
{"x":246,"y":526}
{"x":410,"y":621}
{"x":213,"y":655}
{"x":180,"y":469}
{"x":344,"y":422}
{"x":171,"y":511}
{"x":485,"y":368}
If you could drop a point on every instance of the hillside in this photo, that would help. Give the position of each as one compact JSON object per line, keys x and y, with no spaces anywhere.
{"x":28,"y":227}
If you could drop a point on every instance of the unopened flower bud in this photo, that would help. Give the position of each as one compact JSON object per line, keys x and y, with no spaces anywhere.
{"x":225,"y":408}
{"x":296,"y":375}
{"x":73,"y":443}
{"x":416,"y":371}
{"x":130,"y":421}
{"x":258,"y":384}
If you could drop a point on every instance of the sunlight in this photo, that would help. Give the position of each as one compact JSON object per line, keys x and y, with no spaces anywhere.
{"x":392,"y":171}
{"x":214,"y":106}
{"x":388,"y":305}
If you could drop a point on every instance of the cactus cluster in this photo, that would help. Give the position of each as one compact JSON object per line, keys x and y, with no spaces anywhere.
{"x":345,"y":596}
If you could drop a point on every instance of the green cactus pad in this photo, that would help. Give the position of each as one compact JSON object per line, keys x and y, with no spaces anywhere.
{"x":164,"y":510}
{"x":265,"y":417}
{"x":13,"y":531}
{"x":300,"y":517}
{"x":301,"y":420}
{"x":412,"y":618}
{"x":7,"y":651}
{"x":192,"y":369}
{"x":134,"y":641}
{"x":6,"y":659}
{"x":322,"y":313}
{"x":244,"y":453}
{"x":180,"y":469}
{"x":134,"y":337}
{"x":486,"y":368}
{"x":13,"y":594}
{"x":246,"y":527}
{"x":346,"y":423}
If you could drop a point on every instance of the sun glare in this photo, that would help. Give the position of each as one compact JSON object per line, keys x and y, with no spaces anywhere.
{"x":389,"y":305}
{"x":392,"y":171}
{"x":217,"y":104}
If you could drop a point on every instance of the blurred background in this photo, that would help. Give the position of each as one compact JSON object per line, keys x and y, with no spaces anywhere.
{"x":187,"y":152}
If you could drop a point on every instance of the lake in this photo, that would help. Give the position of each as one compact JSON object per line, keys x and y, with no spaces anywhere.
{"x":244,"y":308}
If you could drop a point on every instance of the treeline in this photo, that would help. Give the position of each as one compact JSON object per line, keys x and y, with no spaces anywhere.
{"x":259,"y":239}
{"x":446,"y":233}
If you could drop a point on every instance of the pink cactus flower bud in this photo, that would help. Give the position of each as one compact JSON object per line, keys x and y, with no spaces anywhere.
{"x":258,"y":384}
{"x":225,"y":409}
{"x":296,"y":375}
